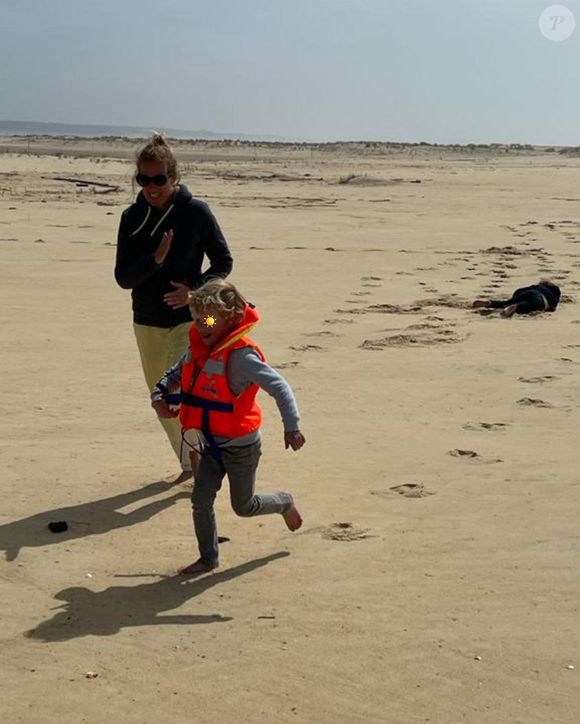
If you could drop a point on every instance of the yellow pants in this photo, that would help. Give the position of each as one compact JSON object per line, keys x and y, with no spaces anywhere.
{"x":160,"y":348}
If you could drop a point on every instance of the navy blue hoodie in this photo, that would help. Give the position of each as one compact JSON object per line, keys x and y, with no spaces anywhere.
{"x":195,"y":233}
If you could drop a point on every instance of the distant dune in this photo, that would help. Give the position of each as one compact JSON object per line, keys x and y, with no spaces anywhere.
{"x":35,"y":128}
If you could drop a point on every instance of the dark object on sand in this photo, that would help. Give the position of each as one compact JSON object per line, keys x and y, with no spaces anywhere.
{"x":222,"y":539}
{"x":85,"y":182}
{"x":541,"y":297}
{"x":58,"y":526}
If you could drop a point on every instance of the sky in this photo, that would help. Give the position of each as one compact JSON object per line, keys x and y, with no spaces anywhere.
{"x":440,"y":71}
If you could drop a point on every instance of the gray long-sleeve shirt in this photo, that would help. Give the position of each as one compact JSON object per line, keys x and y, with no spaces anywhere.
{"x":244,"y":368}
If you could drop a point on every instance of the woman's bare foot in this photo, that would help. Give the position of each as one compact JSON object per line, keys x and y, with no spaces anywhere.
{"x":200,"y":566}
{"x":508,"y":311}
{"x":479,"y":303}
{"x":292,"y":517}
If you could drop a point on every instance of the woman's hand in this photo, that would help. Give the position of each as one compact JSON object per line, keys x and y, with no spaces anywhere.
{"x":294,"y":439}
{"x":163,"y":410}
{"x":164,"y":245}
{"x":177,"y":298}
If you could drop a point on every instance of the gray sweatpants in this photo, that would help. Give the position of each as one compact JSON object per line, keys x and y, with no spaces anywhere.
{"x":240,"y":464}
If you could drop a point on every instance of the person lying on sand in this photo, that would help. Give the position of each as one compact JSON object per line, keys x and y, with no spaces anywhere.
{"x":541,"y":297}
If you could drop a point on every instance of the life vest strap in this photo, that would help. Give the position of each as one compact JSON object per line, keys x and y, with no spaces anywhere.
{"x":186,"y":398}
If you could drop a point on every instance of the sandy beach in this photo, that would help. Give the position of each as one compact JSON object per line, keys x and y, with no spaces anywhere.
{"x":435,"y":578}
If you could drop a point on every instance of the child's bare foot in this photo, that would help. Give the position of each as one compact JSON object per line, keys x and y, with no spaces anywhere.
{"x":200,"y":566}
{"x":292,"y":517}
{"x":508,"y":311}
{"x":479,"y":303}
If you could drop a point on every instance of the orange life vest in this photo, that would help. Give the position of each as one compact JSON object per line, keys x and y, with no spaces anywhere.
{"x":207,"y":402}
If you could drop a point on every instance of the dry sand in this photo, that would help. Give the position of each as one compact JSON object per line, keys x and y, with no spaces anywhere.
{"x":436,"y":576}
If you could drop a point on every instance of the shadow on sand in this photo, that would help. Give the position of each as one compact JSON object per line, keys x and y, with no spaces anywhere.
{"x":104,"y":613}
{"x":95,"y":518}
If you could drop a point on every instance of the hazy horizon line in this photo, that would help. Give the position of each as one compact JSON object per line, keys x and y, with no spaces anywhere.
{"x":8,"y":128}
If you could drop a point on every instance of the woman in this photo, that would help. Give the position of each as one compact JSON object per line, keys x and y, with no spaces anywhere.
{"x":161,"y":244}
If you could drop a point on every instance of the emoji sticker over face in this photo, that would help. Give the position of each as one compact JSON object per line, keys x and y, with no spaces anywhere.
{"x":209,"y":321}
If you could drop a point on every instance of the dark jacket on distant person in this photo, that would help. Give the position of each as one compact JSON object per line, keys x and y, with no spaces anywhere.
{"x":195,"y":233}
{"x":531,"y":299}
{"x":551,"y":292}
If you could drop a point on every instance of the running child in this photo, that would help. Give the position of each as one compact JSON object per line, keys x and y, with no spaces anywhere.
{"x":218,"y":378}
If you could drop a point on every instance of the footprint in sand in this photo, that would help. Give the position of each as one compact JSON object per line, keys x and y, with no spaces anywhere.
{"x":489,"y":426}
{"x":537,"y":380}
{"x":350,"y":311}
{"x":323,"y":333}
{"x":410,"y":340}
{"x":437,"y":327}
{"x":407,"y":490}
{"x":472,"y":455}
{"x":533,"y":402}
{"x":371,"y":279}
{"x":285,"y":365}
{"x":345,"y":532}
{"x":308,"y":348}
{"x":338,"y":321}
{"x":457,"y":453}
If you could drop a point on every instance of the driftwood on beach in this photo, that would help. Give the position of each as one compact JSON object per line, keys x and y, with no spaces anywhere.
{"x":84,"y":182}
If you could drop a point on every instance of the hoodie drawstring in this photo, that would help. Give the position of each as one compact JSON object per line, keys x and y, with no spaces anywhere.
{"x":165,"y":215}
{"x":143,"y":222}
{"x":161,"y":219}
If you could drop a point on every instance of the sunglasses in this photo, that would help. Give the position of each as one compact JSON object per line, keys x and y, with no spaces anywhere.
{"x":144,"y":180}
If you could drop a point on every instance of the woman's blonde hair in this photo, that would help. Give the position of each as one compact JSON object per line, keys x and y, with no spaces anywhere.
{"x":158,"y":150}
{"x":220,"y":296}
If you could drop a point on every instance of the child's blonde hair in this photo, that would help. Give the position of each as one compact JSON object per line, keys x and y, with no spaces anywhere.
{"x":220,"y":296}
